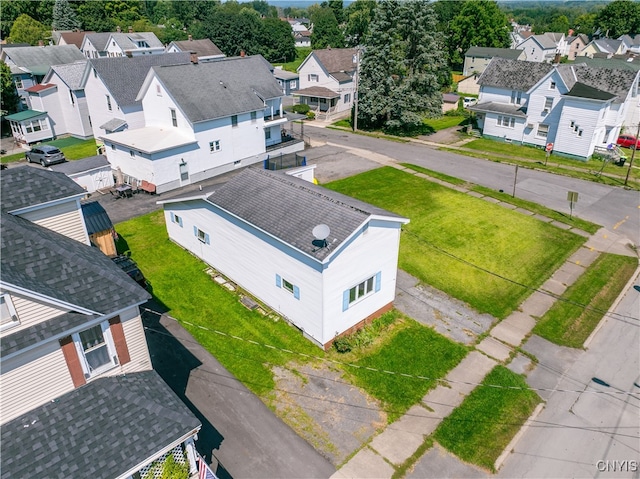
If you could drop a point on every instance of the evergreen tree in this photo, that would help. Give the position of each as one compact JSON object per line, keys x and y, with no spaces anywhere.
{"x":64,"y":17}
{"x":402,"y":62}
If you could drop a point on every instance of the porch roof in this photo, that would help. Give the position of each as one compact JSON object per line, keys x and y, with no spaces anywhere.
{"x":149,"y":139}
{"x":25,"y":115}
{"x":503,"y":108}
{"x":102,"y":429}
{"x":317,"y":91}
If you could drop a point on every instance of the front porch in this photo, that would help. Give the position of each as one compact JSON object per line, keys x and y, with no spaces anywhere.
{"x":30,"y":126}
{"x":322,"y":101}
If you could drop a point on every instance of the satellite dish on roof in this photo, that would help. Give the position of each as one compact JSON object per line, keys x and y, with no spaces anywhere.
{"x":321,"y":232}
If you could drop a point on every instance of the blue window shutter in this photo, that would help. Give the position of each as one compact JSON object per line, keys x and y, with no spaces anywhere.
{"x":173,"y":218}
{"x":345,"y":300}
{"x":378,"y":275}
{"x":278,"y":281}
{"x":206,"y":238}
{"x":180,"y":221}
{"x":195,"y":230}
{"x":296,"y":292}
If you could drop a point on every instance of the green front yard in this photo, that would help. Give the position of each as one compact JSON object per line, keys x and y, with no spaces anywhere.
{"x":568,"y":322}
{"x":486,"y":421}
{"x":445,"y":121}
{"x":73,"y":149}
{"x":454,"y":242}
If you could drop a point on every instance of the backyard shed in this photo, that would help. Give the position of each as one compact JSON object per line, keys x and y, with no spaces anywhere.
{"x":92,"y":173}
{"x":99,"y":227}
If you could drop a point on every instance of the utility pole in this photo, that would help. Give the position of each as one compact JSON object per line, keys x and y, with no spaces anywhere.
{"x":633,"y":154}
{"x":355,"y":95}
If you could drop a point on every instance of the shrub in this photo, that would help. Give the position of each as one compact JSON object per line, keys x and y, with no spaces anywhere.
{"x":311,"y":115}
{"x":302,"y":108}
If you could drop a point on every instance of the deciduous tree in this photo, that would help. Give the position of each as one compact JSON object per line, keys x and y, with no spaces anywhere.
{"x":8,"y":94}
{"x":620,"y":17}
{"x":27,"y":30}
{"x":326,"y":32}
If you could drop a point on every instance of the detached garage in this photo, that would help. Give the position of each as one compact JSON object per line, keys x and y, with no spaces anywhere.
{"x":92,"y":173}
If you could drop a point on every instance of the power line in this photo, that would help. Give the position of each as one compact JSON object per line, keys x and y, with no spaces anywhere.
{"x":517,"y":283}
{"x":532,"y":423}
{"x":384,"y":371}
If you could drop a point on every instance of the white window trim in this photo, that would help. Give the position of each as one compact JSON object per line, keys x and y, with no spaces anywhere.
{"x":366,"y":294}
{"x":111,"y":348}
{"x":214,"y":146}
{"x":538,"y":135}
{"x":202,"y":236}
{"x":15,"y":321}
{"x":287,"y":285}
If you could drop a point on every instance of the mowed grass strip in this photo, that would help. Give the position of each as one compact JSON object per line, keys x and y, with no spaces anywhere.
{"x":180,"y":283}
{"x":445,"y":121}
{"x":73,"y":149}
{"x":473,"y":250}
{"x":570,"y":322}
{"x":414,"y":350}
{"x":483,"y":425}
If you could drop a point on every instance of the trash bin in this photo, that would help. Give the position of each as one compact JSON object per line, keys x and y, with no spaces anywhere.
{"x":620,"y":162}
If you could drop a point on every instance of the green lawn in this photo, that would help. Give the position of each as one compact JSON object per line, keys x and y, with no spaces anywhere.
{"x":412,"y":349}
{"x":443,"y":122}
{"x":568,"y":322}
{"x":435,"y":174}
{"x":486,"y":421}
{"x":73,"y":149}
{"x":180,"y":283}
{"x":301,"y":54}
{"x":451,"y":231}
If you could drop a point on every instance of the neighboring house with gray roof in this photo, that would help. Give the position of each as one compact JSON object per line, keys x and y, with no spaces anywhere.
{"x":575,"y":44}
{"x":324,"y":261}
{"x":228,"y":115}
{"x":73,"y":356}
{"x":288,"y":81}
{"x":204,"y":48}
{"x":476,"y":59}
{"x":631,"y":43}
{"x":574,"y":106}
{"x":544,"y":47}
{"x":111,"y":86}
{"x":29,"y":65}
{"x":121,"y":44}
{"x":92,"y":173}
{"x":61,"y":96}
{"x":327,"y":81}
{"x":606,"y":47}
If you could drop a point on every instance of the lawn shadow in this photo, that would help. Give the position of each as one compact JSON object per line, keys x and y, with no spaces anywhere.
{"x":174,"y":363}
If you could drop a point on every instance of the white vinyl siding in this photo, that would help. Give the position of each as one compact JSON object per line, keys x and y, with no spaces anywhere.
{"x":31,"y":312}
{"x":137,"y":345}
{"x":64,"y":218}
{"x":35,"y":382}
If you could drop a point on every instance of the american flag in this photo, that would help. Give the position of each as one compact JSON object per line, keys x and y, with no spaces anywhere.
{"x":204,"y":470}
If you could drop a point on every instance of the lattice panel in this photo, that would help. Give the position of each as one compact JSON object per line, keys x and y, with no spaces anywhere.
{"x":152,"y":472}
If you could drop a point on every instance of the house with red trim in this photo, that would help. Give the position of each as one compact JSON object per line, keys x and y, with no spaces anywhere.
{"x":79,"y":396}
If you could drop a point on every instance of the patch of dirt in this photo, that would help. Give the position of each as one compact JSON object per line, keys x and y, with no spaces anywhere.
{"x":335,"y":417}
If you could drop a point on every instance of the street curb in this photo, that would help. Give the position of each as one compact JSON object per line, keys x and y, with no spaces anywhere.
{"x":605,"y":318}
{"x":512,"y":444}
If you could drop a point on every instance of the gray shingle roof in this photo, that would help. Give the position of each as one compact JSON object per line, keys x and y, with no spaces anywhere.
{"x":100,"y":430}
{"x":128,"y":41}
{"x":41,"y":58}
{"x":289,"y":208}
{"x":513,"y":74}
{"x":113,"y":125}
{"x":220,"y":88}
{"x":48,"y":263}
{"x":615,"y":82}
{"x":585,"y":91}
{"x":95,"y":217}
{"x":545,"y":41}
{"x":613,"y":63}
{"x":70,"y":73}
{"x":487,"y":52}
{"x":124,"y":76}
{"x":98,"y":40}
{"x":285,"y":75}
{"x":25,"y":186}
{"x":607,"y":45}
{"x":495,"y":107}
{"x":203,"y":47}
{"x":78,"y":166}
{"x":336,"y":59}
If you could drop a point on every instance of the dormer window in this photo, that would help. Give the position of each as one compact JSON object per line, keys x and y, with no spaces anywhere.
{"x":8,"y":316}
{"x":552,"y":85}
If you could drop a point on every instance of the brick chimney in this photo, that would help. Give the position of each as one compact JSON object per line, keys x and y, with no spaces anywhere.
{"x":130,"y":29}
{"x":242,"y":53}
{"x":118,"y":29}
{"x":194,"y":58}
{"x":190,"y":38}
{"x":41,"y":43}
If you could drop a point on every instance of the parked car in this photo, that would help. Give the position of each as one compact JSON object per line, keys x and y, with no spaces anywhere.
{"x":628,"y":141}
{"x":469,"y":101}
{"x":45,"y":155}
{"x":131,"y":268}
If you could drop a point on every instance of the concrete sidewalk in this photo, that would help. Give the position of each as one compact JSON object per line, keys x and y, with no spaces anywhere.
{"x":396,"y":445}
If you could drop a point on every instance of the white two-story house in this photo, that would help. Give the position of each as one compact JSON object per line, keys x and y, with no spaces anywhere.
{"x":544,"y":47}
{"x":574,"y":107}
{"x":227,"y":117}
{"x":204,"y":48}
{"x":120,"y":44}
{"x":111,"y":86}
{"x":327,"y":81}
{"x":324,"y":261}
{"x":75,"y":369}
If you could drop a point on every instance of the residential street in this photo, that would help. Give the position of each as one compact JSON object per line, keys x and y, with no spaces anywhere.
{"x":614,"y":208}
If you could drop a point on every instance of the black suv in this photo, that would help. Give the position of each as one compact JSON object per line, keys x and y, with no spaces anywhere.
{"x":131,"y":268}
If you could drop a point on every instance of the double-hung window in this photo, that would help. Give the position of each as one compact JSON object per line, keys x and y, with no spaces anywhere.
{"x":313,"y":77}
{"x":254,"y":116}
{"x":214,"y":146}
{"x":174,"y":118}
{"x":8,"y":316}
{"x":234,"y":121}
{"x":548,"y":104}
{"x":108,"y":102}
{"x":543,"y":130}
{"x":202,"y":236}
{"x":516,"y":97}
{"x":176,"y":219}
{"x":96,"y":349}
{"x":360,"y":291}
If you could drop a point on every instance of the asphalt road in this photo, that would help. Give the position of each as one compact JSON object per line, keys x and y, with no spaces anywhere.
{"x":614,"y":208}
